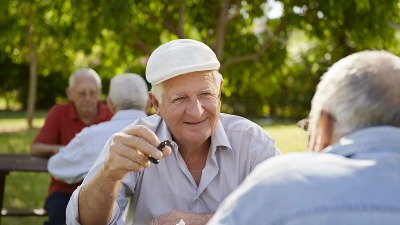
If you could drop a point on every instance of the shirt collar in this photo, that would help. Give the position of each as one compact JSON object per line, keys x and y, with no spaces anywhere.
{"x":368,"y":140}
{"x":72,"y":112}
{"x":128,"y":114}
{"x":100,"y":117}
{"x":219,"y":139}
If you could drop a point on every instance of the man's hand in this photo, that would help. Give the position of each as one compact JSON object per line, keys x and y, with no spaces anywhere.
{"x":130,"y":150}
{"x":173,"y":218}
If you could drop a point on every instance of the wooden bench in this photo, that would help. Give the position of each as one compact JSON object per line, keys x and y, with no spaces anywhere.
{"x":23,"y":212}
{"x":21,"y":163}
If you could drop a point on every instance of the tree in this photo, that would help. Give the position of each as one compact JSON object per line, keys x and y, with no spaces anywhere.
{"x":28,"y":37}
{"x":270,"y":63}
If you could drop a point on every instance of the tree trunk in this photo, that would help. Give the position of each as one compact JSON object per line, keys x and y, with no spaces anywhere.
{"x":32,"y":89}
{"x":33,"y":60}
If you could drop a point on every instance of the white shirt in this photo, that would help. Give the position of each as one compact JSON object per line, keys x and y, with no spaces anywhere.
{"x":237,"y":146}
{"x":356,"y":181}
{"x":73,"y":162}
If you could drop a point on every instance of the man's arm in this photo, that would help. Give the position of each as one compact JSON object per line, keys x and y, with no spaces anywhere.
{"x":44,"y":150}
{"x":74,"y":160}
{"x":129,"y":151}
{"x":96,"y":200}
{"x":68,"y":165}
{"x":47,"y":143}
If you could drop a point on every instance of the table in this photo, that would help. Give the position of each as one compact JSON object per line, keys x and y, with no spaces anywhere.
{"x":22,"y":163}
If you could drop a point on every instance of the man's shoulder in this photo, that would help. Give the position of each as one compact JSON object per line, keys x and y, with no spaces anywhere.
{"x":105,"y":127}
{"x":238,"y":124}
{"x":298,"y":167}
{"x":152,"y":121}
{"x":233,"y":121}
{"x":109,"y":127}
{"x":61,"y":106}
{"x":60,"y":109}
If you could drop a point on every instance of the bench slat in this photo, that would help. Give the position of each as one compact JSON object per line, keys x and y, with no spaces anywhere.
{"x":23,"y":212}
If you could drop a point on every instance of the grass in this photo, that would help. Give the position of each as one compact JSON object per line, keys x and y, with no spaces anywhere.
{"x":288,"y":137}
{"x":24,"y":189}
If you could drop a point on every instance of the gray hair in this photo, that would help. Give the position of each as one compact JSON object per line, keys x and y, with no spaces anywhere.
{"x":360,"y":91}
{"x":158,"y":89}
{"x":128,"y":91}
{"x":85,"y":72}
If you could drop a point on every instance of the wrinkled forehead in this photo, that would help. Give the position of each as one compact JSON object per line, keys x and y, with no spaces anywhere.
{"x":190,"y":82}
{"x":85,"y":83}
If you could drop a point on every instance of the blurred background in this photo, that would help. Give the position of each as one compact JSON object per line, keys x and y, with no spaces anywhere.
{"x":272,"y":52}
{"x":272,"y":55}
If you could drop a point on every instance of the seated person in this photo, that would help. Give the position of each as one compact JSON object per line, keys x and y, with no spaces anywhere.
{"x":209,"y":155}
{"x":128,"y":100}
{"x":355,"y":122}
{"x":62,"y":123}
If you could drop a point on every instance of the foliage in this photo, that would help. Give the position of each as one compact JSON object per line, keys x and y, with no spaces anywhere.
{"x":270,"y":64}
{"x":12,"y":82}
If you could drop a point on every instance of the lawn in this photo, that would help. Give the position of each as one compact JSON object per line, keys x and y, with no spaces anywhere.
{"x":24,"y":189}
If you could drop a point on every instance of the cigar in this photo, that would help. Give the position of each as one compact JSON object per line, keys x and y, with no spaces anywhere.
{"x":161,"y":148}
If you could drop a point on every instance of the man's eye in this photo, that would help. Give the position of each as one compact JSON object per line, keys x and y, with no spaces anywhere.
{"x":207,"y":94}
{"x":178,"y":99}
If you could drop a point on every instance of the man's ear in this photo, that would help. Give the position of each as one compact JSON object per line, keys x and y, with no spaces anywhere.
{"x":155,"y":103}
{"x":111,"y":106}
{"x":68,"y":92}
{"x":220,"y":88}
{"x":147,"y":108}
{"x":323,"y":136}
{"x":327,"y":122}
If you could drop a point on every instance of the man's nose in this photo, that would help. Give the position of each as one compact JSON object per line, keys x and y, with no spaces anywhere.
{"x":195,"y":108}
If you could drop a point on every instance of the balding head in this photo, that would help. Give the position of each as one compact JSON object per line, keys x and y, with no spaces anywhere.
{"x":359,"y":91}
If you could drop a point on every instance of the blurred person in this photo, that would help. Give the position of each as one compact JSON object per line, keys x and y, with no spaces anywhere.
{"x":128,"y":99}
{"x":207,"y":155}
{"x":355,"y":122}
{"x":62,"y":123}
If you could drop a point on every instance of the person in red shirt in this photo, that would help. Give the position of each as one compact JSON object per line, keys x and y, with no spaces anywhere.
{"x":62,"y":123}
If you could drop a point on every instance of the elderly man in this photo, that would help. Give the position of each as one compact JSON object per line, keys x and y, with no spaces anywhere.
{"x":128,"y":99}
{"x":209,"y":156}
{"x":355,"y":120}
{"x":62,"y":123}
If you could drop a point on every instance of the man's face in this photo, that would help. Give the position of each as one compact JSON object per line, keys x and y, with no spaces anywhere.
{"x":190,"y":107}
{"x":85,"y":96}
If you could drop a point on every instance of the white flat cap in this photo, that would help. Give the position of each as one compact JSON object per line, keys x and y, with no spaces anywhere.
{"x":179,"y":57}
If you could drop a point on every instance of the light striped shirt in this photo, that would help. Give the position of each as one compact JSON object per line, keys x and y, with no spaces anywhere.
{"x":73,"y":162}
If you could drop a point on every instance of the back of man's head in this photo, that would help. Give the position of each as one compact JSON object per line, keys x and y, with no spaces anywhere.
{"x":128,"y":91}
{"x":359,"y":91}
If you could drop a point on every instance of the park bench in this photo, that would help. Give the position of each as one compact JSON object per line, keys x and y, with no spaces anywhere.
{"x":23,"y":212}
{"x":21,"y":163}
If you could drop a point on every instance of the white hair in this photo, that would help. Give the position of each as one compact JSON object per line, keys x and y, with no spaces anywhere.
{"x":158,"y":89}
{"x":128,"y":91}
{"x":84,"y":72}
{"x":359,"y":91}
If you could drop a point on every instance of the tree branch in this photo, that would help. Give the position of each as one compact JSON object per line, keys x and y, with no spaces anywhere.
{"x":169,"y":25}
{"x":221,"y":29}
{"x":260,"y":52}
{"x":139,"y":43}
{"x":181,"y":22}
